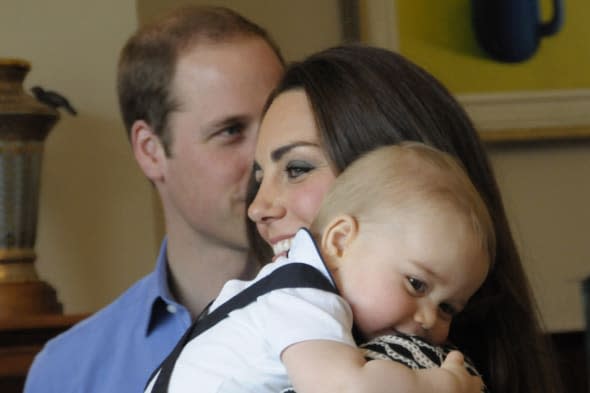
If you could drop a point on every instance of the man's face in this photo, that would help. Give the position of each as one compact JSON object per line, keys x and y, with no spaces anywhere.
{"x":221,"y":89}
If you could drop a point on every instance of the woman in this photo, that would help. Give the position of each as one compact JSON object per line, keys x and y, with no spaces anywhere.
{"x":342,"y":102}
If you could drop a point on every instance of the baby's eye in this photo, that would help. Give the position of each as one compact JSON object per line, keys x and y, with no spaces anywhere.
{"x":295,"y":169}
{"x":417,"y":285}
{"x":447,"y":309}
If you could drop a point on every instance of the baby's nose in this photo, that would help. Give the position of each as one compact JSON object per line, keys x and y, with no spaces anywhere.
{"x":425,"y":315}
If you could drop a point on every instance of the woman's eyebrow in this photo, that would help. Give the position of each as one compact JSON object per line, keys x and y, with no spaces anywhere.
{"x":278,"y":153}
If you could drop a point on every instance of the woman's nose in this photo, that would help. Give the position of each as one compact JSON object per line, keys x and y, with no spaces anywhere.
{"x":266,"y":206}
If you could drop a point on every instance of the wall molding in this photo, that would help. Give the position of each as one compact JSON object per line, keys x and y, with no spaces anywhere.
{"x":530,"y":115}
{"x":380,"y":24}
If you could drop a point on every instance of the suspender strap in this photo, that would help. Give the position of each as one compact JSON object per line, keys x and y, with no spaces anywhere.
{"x":293,"y":275}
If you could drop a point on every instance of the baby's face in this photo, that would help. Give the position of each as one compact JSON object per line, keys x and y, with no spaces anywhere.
{"x":411,"y":274}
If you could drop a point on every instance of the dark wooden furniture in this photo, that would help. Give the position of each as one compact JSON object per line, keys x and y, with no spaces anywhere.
{"x":20,"y":340}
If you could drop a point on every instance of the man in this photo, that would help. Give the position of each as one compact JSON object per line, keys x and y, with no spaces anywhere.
{"x":191,"y":89}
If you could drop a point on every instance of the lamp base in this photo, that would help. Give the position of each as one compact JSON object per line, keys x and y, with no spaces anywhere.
{"x":28,"y":298}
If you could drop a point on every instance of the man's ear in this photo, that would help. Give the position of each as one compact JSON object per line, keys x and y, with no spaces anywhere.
{"x":339,"y":234}
{"x":148,"y":150}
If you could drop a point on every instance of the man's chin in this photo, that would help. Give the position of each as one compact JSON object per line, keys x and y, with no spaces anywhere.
{"x":230,"y":239}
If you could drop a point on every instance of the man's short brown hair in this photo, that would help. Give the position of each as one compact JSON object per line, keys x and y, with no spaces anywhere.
{"x":148,"y":60}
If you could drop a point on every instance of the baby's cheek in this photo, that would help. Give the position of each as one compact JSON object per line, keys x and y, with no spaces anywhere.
{"x":441,"y":333}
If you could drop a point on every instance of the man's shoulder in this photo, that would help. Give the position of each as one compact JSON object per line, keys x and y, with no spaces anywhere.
{"x":80,"y":351}
{"x":106,"y":321}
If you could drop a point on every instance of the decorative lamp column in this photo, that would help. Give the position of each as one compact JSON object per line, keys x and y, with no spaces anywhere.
{"x":24,"y":124}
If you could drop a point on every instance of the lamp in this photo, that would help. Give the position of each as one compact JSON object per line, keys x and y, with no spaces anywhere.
{"x":24,"y":124}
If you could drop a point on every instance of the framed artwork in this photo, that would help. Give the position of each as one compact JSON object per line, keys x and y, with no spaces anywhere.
{"x":511,"y":117}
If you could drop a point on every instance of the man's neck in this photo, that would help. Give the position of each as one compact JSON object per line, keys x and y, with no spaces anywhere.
{"x":199,"y":269}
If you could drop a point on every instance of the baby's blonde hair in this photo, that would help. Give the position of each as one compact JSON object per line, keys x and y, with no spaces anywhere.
{"x":406,"y":176}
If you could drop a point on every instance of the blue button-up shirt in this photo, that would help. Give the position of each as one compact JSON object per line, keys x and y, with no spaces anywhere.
{"x":118,"y":348}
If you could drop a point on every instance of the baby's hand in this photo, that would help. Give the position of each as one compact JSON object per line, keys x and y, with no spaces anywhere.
{"x":464,"y":382}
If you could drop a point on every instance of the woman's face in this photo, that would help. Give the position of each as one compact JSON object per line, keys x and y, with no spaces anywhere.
{"x":291,"y":169}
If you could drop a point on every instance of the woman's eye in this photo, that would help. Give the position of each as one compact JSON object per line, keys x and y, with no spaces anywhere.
{"x":258,"y":176}
{"x":417,"y":285}
{"x":297,"y":168}
{"x":257,"y":173}
{"x":447,"y":309}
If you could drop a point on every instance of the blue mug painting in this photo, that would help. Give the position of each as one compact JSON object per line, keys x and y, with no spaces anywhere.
{"x":511,"y":30}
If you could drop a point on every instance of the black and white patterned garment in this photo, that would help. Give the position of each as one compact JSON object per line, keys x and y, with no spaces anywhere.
{"x":410,"y":351}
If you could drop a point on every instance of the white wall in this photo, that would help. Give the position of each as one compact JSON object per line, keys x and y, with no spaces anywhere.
{"x":546,"y":190}
{"x":96,"y":226}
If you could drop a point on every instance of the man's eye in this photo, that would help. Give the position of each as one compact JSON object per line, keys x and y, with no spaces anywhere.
{"x":296,"y":169}
{"x":233,"y":129}
{"x":230,"y":132}
{"x":417,"y":285}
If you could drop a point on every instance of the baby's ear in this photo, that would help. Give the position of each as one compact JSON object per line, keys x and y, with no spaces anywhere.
{"x":338,"y":235}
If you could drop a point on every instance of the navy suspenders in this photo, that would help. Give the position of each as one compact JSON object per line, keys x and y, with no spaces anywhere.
{"x":293,"y":275}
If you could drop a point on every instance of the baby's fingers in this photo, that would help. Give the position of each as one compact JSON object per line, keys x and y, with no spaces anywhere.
{"x":454,"y":358}
{"x":467,"y":383}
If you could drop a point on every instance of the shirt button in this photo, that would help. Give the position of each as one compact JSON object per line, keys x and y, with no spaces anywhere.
{"x":171,"y":308}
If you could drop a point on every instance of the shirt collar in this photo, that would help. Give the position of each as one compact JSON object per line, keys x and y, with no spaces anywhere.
{"x":159,"y":297}
{"x":305,"y":248}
